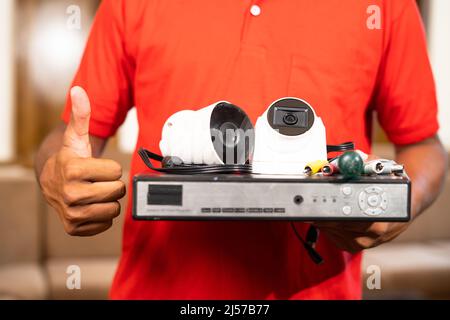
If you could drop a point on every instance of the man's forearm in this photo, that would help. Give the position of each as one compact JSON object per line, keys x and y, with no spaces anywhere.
{"x":426,"y":163}
{"x":53,"y":143}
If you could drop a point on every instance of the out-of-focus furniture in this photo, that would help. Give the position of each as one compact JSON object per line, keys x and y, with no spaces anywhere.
{"x":35,"y":252}
{"x":417,"y":263}
{"x":21,"y":273}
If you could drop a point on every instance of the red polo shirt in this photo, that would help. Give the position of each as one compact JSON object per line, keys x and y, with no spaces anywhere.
{"x":162,"y":56}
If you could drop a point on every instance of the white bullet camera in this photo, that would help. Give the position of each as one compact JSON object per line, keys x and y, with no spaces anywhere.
{"x":218,"y":134}
{"x":288,"y":136}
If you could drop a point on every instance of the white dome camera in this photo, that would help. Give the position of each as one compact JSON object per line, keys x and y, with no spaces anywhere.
{"x":288,"y":136}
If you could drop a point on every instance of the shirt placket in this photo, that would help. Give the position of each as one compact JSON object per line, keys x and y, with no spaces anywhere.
{"x":254,"y":11}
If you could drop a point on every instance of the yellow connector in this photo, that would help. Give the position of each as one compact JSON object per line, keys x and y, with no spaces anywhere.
{"x":314,"y":167}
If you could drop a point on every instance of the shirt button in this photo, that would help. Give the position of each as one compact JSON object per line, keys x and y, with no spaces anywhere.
{"x":255,"y":10}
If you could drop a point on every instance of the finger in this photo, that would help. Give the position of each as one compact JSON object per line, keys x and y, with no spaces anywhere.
{"x":96,"y":212}
{"x":92,"y":169}
{"x":345,"y":226}
{"x":76,"y":194}
{"x":348,"y":232}
{"x":91,"y":229}
{"x":352,"y":241}
{"x":76,"y":136}
{"x":342,"y":242}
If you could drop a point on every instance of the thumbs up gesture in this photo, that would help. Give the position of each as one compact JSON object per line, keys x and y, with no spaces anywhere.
{"x":83,"y":190}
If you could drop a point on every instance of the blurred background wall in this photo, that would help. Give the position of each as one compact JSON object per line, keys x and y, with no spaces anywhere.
{"x":39,"y":54}
{"x":7,"y":145}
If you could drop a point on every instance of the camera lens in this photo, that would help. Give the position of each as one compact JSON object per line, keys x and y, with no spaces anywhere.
{"x":290,"y":119}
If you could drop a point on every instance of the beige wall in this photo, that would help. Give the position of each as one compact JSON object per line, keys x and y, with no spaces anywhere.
{"x":47,"y":54}
{"x":438,"y":24}
{"x":7,"y":150}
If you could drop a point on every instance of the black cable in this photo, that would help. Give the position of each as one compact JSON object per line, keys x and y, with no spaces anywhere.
{"x":346,"y":146}
{"x":192,"y":169}
{"x":311,"y":238}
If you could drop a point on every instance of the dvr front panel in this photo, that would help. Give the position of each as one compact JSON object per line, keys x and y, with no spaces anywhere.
{"x":384,"y":199}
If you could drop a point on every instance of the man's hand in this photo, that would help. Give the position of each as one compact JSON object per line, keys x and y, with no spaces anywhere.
{"x":426,"y":164}
{"x":356,"y":236}
{"x":84,"y":190}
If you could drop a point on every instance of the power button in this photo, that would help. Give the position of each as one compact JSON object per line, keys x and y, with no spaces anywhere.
{"x":347,"y":190}
{"x":346,"y":210}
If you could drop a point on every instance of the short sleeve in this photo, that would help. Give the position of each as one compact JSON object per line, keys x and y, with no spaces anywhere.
{"x":406,"y":95}
{"x":105,"y":71}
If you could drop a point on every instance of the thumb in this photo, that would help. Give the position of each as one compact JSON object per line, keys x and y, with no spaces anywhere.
{"x":76,"y":137}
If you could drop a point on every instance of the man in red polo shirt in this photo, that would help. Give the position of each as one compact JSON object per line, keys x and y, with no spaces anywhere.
{"x":347,"y":59}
